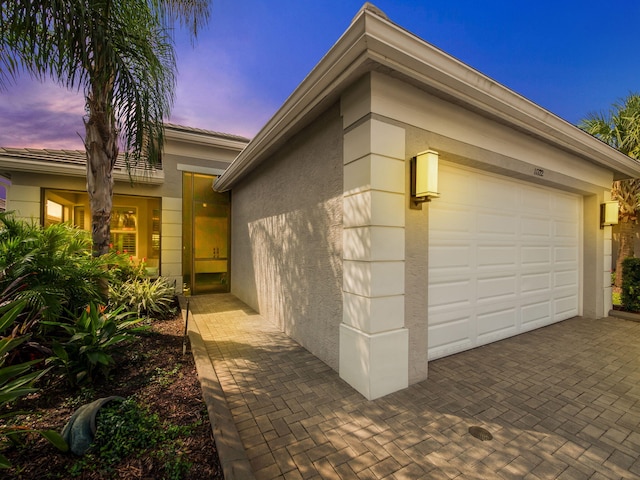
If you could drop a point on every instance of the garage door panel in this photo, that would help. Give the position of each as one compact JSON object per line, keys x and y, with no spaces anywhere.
{"x":496,"y":224}
{"x":567,"y":278}
{"x":566,"y":206}
{"x":451,"y":333}
{"x":452,"y":294}
{"x":507,"y":262}
{"x":535,"y":283}
{"x":496,"y":195}
{"x":565,"y":230}
{"x":497,"y":256}
{"x":496,"y":325}
{"x":450,"y":257}
{"x":535,"y":227}
{"x":450,"y":183}
{"x":566,"y":307}
{"x":454,"y":220}
{"x":534,"y":200}
{"x":535,"y":315}
{"x":496,"y":288}
{"x":535,"y":255}
{"x":565,"y":254}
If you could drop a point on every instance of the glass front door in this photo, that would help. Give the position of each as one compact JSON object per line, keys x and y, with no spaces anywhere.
{"x":205,"y":261}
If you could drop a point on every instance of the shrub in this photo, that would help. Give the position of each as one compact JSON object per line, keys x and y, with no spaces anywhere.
{"x":54,"y":264}
{"x":90,"y":340}
{"x":630,"y":295}
{"x":17,"y":380}
{"x":152,"y":298}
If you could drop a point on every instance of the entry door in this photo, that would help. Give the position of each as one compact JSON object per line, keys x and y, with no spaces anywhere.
{"x":504,"y":258}
{"x":205,"y":261}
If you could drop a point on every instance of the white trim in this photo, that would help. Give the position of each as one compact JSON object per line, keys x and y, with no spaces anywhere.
{"x":155,"y":177}
{"x":197,"y":169}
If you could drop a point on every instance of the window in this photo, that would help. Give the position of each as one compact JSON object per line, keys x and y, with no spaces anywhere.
{"x":124,"y":238}
{"x":55,"y":212}
{"x":135,"y":221}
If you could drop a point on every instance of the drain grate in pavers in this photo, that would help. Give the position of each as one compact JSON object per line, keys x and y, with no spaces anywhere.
{"x":480,"y":433}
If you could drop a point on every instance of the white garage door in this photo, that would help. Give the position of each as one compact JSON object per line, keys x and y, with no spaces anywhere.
{"x":504,"y":258}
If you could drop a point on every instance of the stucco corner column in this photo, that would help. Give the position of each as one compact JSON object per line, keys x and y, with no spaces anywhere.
{"x":374,"y":343}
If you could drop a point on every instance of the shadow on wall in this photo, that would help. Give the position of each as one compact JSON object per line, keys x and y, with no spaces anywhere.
{"x":297,"y":262}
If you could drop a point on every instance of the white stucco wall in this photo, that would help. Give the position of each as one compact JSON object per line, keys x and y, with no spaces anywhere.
{"x":286,"y":258}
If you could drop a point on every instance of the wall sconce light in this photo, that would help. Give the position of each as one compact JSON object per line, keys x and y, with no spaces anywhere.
{"x":609,"y":213}
{"x":424,"y":178}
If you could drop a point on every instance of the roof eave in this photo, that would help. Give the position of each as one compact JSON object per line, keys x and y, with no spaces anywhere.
{"x":155,"y":177}
{"x":206,"y":139}
{"x":372,"y":42}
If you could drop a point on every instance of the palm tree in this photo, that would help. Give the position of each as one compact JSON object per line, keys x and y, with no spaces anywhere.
{"x":620,"y":128}
{"x":120,"y":53}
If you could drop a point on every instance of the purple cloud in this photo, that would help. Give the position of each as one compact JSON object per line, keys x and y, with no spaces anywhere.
{"x":41,"y":115}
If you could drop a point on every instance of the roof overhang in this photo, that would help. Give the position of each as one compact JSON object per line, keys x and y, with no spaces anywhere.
{"x":373,"y":43}
{"x":205,"y":138}
{"x":14,"y":164}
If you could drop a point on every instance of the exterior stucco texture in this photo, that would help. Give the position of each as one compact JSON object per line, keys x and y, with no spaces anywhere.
{"x":286,"y":259}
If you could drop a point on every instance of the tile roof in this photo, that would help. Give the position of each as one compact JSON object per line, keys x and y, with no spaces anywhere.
{"x":228,"y":136}
{"x":60,"y":157}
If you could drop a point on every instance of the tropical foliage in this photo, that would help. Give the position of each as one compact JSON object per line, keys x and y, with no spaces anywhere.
{"x":120,"y":53}
{"x":83,"y":345}
{"x":52,"y":271}
{"x":17,"y":380}
{"x":53,"y":266}
{"x":620,"y":128}
{"x":150,"y":298}
{"x":630,"y":294}
{"x":54,"y":323}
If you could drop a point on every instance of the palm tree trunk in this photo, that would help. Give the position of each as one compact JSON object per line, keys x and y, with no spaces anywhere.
{"x":626,"y":248}
{"x":101,"y":143}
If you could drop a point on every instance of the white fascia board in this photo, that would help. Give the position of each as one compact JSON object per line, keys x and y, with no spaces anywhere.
{"x":431,"y":68}
{"x":29,"y":166}
{"x":372,"y":42}
{"x":183,"y":167}
{"x":201,"y":139}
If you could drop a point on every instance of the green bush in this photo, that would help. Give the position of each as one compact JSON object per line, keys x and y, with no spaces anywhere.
{"x":17,"y":380}
{"x":151,"y":298}
{"x":630,"y":295}
{"x":90,"y":340}
{"x":55,"y":266}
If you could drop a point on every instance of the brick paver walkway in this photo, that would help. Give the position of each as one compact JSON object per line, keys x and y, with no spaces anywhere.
{"x":561,"y":402}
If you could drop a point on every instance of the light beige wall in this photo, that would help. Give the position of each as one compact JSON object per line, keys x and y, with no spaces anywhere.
{"x":286,"y":256}
{"x":467,"y":135}
{"x":171,"y":247}
{"x":24,"y":201}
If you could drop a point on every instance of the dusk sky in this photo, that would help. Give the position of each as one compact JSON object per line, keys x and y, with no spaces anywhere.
{"x":571,"y":57}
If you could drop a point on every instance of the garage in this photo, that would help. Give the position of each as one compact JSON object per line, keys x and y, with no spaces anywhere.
{"x":504,"y":258}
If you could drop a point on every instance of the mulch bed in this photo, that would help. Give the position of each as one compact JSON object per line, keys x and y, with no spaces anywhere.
{"x":160,"y":377}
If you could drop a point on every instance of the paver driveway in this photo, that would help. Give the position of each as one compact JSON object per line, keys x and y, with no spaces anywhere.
{"x":561,"y":402}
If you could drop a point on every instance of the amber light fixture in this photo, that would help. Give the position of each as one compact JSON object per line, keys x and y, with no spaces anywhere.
{"x":609,"y":213}
{"x":424,"y":178}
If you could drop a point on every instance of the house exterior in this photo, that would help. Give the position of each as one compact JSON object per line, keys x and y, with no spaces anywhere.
{"x":159,"y":213}
{"x":326,"y":244}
